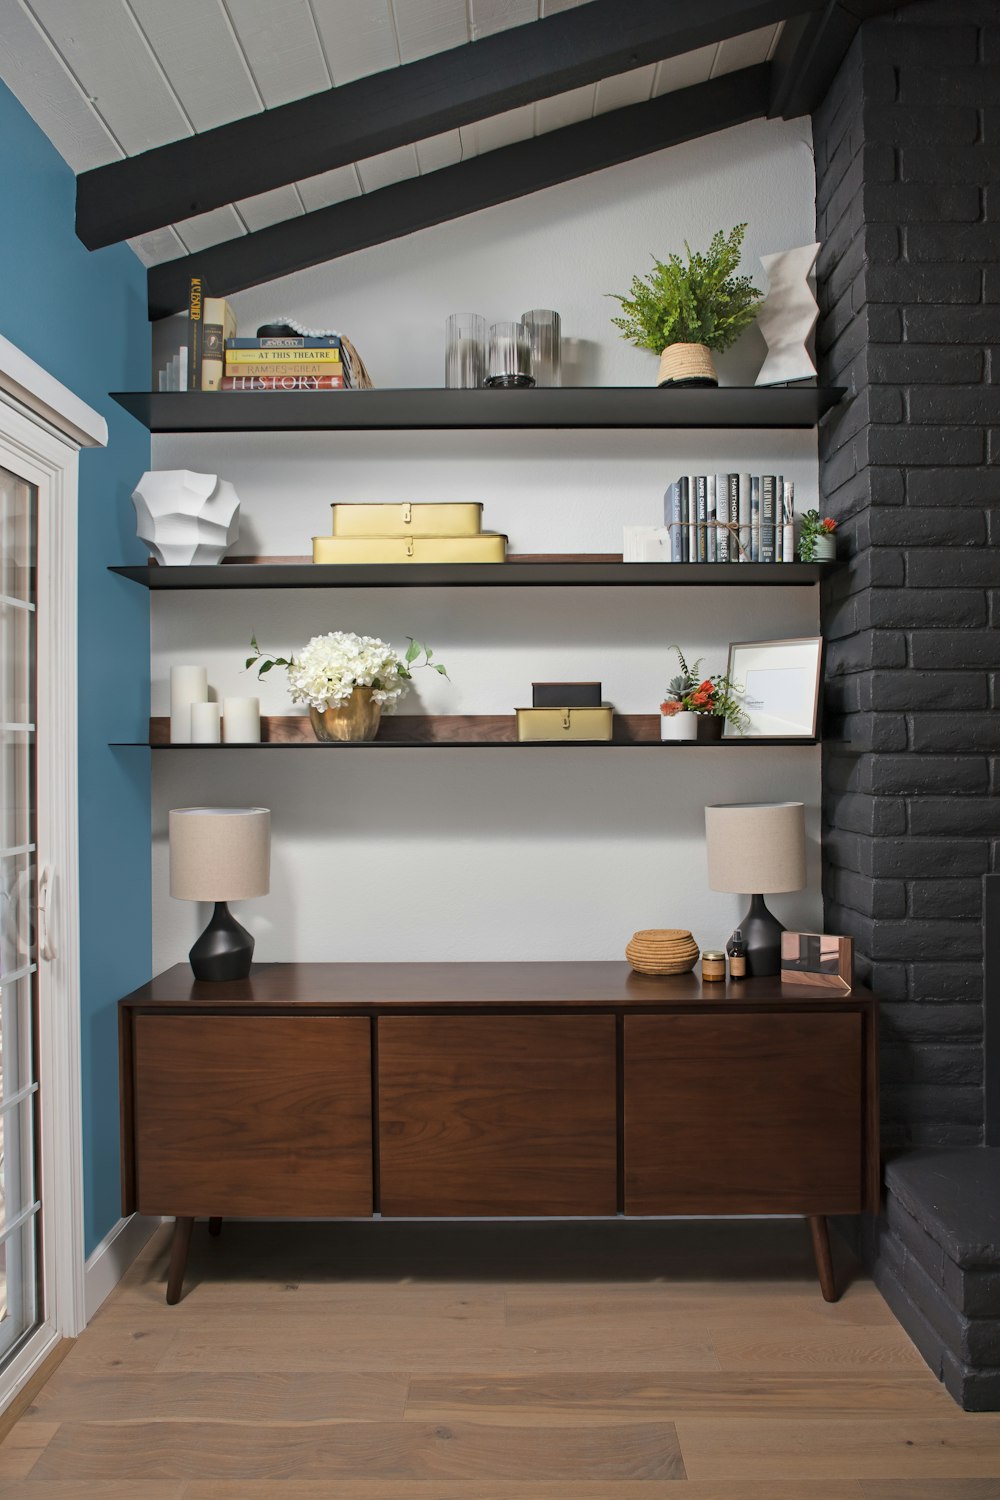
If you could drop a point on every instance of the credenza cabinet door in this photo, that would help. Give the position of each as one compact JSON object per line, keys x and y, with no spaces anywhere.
{"x":484,"y":1115}
{"x":253,"y":1115}
{"x":751,"y":1113}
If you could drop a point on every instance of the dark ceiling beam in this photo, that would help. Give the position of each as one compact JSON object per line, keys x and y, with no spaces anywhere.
{"x":401,"y":105}
{"x":812,"y":47}
{"x":452,"y":192}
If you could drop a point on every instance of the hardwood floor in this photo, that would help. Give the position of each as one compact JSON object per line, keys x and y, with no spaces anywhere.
{"x":480,"y":1362}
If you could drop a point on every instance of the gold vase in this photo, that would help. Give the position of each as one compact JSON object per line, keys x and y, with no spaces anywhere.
{"x":686,"y":364}
{"x":357,"y":719}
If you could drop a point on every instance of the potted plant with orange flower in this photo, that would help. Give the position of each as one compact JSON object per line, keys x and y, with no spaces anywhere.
{"x":817,"y":542}
{"x":698,"y":709}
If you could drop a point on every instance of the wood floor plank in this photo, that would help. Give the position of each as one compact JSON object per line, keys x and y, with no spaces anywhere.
{"x":527,"y":1399}
{"x":699,"y":1301}
{"x":428,"y":1345}
{"x":234,"y":1396}
{"x":320,"y":1450}
{"x":91,"y":1489}
{"x":931,"y":1489}
{"x":134,"y":1348}
{"x":753,"y":1343}
{"x":23,"y":1446}
{"x":555,"y":1489}
{"x":957,"y":1447}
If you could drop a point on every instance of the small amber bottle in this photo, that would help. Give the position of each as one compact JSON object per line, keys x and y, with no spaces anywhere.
{"x":737,"y":956}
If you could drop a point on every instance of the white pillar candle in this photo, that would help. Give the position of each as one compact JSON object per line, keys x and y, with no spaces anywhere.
{"x":205,"y":723}
{"x":187,"y":685}
{"x":241,"y":721}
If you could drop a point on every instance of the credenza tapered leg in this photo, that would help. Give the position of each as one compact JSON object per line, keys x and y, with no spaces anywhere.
{"x":215,"y":1227}
{"x":178,"y":1258}
{"x":824,"y":1260}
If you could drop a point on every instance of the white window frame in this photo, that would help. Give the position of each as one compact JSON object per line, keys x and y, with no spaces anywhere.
{"x":43,"y":425}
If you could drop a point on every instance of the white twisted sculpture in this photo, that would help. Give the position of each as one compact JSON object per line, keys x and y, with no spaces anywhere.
{"x":788,"y":315}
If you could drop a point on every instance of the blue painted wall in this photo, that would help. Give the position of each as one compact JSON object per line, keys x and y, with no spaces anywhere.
{"x":82,"y":315}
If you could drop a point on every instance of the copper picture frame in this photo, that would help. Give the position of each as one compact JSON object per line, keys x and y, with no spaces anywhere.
{"x":818,"y":959}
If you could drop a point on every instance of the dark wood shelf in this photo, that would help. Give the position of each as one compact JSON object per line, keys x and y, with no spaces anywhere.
{"x":454,"y":731}
{"x":578,"y":571}
{"x":403,"y":410}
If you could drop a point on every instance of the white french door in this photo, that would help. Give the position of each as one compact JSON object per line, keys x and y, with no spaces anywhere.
{"x":22,"y":1290}
{"x":41,"y":1210}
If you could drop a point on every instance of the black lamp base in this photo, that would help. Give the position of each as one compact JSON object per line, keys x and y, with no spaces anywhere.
{"x":224,"y":950}
{"x":761,"y":932}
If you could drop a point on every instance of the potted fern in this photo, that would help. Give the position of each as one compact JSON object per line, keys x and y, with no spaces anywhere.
{"x":684,"y":311}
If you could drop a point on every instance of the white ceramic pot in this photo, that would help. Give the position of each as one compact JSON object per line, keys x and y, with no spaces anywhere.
{"x":682,"y":726}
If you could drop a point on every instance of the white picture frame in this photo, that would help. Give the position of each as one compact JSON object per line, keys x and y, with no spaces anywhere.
{"x":778,"y":687}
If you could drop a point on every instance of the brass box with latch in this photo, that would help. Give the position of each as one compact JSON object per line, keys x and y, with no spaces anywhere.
{"x":463,"y":518}
{"x":487,"y":547}
{"x":554,"y":724}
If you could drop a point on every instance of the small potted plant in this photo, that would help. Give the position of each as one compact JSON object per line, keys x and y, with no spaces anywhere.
{"x":347,"y":680}
{"x":699,"y":710}
{"x":817,"y":542}
{"x":683,"y":312}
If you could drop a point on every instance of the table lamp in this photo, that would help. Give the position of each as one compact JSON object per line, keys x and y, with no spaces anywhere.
{"x":220,"y":854}
{"x":755,"y":849}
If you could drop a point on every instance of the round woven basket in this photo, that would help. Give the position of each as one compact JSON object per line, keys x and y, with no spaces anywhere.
{"x":686,"y":364}
{"x":662,"y":950}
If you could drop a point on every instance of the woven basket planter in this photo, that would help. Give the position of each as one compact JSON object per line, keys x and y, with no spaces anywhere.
{"x":662,"y":950}
{"x":686,"y":364}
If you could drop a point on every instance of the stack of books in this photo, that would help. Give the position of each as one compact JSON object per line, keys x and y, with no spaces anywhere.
{"x":409,"y":533}
{"x":286,"y":364}
{"x":720,"y":518}
{"x":731,"y":518}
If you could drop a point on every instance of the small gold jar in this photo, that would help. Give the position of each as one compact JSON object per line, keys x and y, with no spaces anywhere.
{"x":713,"y":967}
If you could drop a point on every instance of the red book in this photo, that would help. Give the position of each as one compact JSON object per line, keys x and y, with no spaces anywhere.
{"x":283,"y":382}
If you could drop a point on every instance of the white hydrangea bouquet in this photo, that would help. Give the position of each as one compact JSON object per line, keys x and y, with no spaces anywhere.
{"x":326,"y":671}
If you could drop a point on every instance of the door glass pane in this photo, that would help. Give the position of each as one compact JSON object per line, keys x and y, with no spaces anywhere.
{"x":20,"y":1292}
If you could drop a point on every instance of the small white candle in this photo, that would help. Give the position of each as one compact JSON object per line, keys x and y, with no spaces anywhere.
{"x":241,"y":721}
{"x":187,"y":685}
{"x":205,"y":723}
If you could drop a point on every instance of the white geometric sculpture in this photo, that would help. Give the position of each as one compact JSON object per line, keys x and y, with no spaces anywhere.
{"x":186,"y":518}
{"x":788,"y":315}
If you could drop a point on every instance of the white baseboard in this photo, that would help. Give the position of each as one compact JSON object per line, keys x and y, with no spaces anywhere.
{"x":112,"y":1258}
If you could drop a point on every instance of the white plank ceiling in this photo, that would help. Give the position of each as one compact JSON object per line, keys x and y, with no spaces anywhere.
{"x":107,"y":79}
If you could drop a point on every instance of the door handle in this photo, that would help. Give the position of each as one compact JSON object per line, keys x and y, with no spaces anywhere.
{"x":45,"y":948}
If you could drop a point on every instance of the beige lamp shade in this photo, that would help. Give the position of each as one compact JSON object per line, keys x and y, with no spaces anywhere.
{"x":219,"y":853}
{"x":756,"y":847}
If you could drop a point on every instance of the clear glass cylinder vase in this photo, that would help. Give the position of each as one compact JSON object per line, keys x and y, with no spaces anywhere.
{"x":509,"y":361}
{"x":465,"y":351}
{"x":543,"y":329}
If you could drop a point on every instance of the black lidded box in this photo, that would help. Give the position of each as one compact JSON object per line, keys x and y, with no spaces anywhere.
{"x":566,"y":695}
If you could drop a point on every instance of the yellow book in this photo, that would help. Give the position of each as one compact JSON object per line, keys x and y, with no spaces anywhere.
{"x":546,"y":724}
{"x":218,"y":323}
{"x":241,"y":357}
{"x":488,"y":547}
{"x":462,"y":519}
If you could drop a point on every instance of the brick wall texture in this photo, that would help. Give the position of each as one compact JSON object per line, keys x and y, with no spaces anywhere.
{"x":908,"y":215}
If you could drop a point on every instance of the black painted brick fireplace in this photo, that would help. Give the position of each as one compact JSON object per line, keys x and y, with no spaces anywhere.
{"x":908,"y":215}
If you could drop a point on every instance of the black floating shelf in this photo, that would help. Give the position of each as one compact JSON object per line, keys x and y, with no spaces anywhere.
{"x":748,"y":744}
{"x":574,"y":406}
{"x":476,"y":575}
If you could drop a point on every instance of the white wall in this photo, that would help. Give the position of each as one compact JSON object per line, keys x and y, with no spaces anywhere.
{"x":409,"y":854}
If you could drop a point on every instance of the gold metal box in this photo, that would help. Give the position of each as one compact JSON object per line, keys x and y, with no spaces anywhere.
{"x":487,"y":547}
{"x":534,"y":724}
{"x":461,"y":519}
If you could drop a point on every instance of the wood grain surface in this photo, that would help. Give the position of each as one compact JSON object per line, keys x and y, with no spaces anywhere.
{"x":497,"y":1115}
{"x":472,"y":986}
{"x":264,"y":1115}
{"x":523,"y":1369}
{"x":743,"y":1114}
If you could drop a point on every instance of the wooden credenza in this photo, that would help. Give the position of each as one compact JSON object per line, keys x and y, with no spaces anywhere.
{"x":464,"y":1090}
